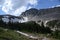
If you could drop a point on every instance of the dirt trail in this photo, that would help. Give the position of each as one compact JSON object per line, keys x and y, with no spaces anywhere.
{"x":31,"y":36}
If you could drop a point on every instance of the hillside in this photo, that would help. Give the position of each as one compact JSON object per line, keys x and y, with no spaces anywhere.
{"x":43,"y":21}
{"x":12,"y":19}
{"x":7,"y":34}
{"x":42,"y":14}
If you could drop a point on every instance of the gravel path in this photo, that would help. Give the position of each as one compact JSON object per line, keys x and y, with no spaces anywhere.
{"x":32,"y":37}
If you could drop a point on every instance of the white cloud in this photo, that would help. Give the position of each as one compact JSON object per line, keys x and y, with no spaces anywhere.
{"x":0,"y":5}
{"x":33,"y":2}
{"x":7,"y":6}
{"x":2,"y":2}
{"x":20,"y":10}
{"x":55,"y":6}
{"x":19,"y":3}
{"x":29,"y":7}
{"x":16,"y":7}
{"x":5,"y":9}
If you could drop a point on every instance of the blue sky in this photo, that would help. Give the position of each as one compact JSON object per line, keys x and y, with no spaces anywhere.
{"x":47,"y":3}
{"x":16,"y":7}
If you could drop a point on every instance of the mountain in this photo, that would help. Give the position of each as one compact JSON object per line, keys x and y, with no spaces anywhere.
{"x":42,"y":14}
{"x":29,"y":13}
{"x":53,"y":24}
{"x":11,"y":18}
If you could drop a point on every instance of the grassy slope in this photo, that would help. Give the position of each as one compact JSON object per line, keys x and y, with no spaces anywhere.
{"x":49,"y":37}
{"x":11,"y":35}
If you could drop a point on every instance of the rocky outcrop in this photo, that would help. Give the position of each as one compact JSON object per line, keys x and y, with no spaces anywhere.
{"x":42,"y":14}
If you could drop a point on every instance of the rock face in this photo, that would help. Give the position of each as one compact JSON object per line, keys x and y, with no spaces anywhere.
{"x":48,"y":16}
{"x":29,"y":13}
{"x":42,"y":14}
{"x":11,"y":18}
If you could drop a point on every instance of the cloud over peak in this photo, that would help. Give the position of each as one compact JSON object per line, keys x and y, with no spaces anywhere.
{"x":16,"y":7}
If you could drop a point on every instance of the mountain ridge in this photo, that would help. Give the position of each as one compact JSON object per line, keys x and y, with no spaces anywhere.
{"x":42,"y":14}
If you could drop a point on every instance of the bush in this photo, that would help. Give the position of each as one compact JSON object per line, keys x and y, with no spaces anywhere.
{"x":56,"y":34}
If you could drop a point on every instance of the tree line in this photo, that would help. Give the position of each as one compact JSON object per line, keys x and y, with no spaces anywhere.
{"x":30,"y":26}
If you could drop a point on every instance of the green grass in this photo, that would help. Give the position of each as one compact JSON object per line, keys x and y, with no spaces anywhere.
{"x":11,"y":35}
{"x":56,"y":34}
